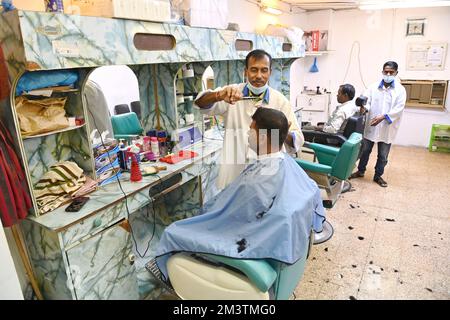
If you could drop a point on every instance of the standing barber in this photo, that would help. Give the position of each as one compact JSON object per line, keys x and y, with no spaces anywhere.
{"x":230,"y":102}
{"x":386,"y":101}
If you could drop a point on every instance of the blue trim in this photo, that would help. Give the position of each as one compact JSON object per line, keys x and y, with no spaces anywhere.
{"x":392,"y":84}
{"x":388,"y":118}
{"x":246,"y":93}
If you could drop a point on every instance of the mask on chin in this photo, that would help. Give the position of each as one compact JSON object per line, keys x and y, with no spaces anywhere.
{"x":257,"y":90}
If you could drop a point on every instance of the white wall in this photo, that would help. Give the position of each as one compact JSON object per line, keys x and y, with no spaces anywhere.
{"x":251,"y":19}
{"x":381,"y":35}
{"x":9,"y":283}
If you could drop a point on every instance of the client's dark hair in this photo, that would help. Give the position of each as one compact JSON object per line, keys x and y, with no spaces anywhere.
{"x":391,"y":64}
{"x":348,"y":90}
{"x":271,"y":119}
{"x":257,"y":54}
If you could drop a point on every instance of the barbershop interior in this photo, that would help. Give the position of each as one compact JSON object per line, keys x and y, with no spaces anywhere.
{"x":224,"y":150}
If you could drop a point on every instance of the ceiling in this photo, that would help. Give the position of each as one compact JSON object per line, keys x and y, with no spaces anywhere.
{"x":323,"y":4}
{"x":348,"y":4}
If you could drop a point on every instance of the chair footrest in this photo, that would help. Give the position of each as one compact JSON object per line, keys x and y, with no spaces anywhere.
{"x":260,"y":272}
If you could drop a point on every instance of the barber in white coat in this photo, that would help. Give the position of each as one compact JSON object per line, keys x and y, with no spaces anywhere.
{"x":231,"y":103}
{"x":385,"y":104}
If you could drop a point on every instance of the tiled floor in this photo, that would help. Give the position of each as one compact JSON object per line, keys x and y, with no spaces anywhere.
{"x":389,"y":243}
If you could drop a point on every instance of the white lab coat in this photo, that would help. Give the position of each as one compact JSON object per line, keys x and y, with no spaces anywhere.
{"x":237,"y":118}
{"x":384,"y":101}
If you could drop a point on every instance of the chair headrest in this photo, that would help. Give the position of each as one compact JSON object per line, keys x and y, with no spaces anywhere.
{"x":127,"y":123}
{"x":354,"y":124}
{"x":121,"y":108}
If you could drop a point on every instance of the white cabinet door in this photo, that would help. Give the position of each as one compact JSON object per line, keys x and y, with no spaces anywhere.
{"x":313,"y":102}
{"x":314,"y":117}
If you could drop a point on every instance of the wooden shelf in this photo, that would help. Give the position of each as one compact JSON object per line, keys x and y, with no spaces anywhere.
{"x":53,"y":132}
{"x":54,"y":90}
{"x":423,"y":105}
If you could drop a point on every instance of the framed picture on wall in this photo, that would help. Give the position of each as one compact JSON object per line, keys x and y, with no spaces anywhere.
{"x":415,"y":27}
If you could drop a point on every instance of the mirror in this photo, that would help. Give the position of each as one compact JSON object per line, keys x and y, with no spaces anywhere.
{"x":109,"y":91}
{"x":187,"y":87}
{"x":208,"y":83}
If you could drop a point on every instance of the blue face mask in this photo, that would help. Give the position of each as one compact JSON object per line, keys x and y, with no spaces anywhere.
{"x":257,"y":90}
{"x":388,"y":79}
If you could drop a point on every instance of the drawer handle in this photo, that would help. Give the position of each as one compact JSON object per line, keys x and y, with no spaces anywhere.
{"x":131,"y":258}
{"x":97,"y":222}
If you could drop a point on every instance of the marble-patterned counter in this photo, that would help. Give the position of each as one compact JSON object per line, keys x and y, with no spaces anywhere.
{"x":100,"y":251}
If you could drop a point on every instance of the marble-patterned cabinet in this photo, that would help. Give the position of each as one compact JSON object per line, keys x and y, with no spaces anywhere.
{"x":100,"y":251}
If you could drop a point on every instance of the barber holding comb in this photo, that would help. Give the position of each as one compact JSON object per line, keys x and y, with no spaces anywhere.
{"x":237,"y":103}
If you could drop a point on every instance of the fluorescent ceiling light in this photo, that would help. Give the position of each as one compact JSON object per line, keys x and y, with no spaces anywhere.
{"x":395,"y":4}
{"x":273,"y":11}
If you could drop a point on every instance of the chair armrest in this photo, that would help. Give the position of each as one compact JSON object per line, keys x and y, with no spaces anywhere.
{"x":260,"y":272}
{"x":325,"y":154}
{"x":314,"y":166}
{"x":333,"y":139}
{"x":322,"y":148}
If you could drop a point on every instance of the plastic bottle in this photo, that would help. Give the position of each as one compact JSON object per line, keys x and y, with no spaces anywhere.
{"x":54,"y":5}
{"x":147,"y":143}
{"x":162,"y":139}
{"x":7,"y":5}
{"x":155,"y":146}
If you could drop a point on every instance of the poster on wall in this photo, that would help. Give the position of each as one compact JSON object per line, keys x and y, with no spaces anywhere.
{"x":426,"y":56}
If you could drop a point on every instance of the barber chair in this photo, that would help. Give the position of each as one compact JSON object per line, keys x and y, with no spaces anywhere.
{"x":136,"y":108}
{"x":194,"y":276}
{"x":198,"y":276}
{"x":121,"y":109}
{"x":353,"y":124}
{"x":126,"y":126}
{"x":334,"y":166}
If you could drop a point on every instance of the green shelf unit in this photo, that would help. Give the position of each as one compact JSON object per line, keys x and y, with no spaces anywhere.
{"x":440,"y":138}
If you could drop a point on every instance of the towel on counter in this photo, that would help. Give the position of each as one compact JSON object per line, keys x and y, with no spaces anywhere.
{"x":57,"y":185}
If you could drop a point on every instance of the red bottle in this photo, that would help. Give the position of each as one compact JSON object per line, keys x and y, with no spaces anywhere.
{"x":136,"y":174}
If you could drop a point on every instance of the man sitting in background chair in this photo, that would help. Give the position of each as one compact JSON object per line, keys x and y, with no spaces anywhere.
{"x":345,"y":110}
{"x":267,"y":212}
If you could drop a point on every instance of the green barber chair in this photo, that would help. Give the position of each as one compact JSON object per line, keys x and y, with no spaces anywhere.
{"x":209,"y":277}
{"x":126,"y":126}
{"x":334,"y":166}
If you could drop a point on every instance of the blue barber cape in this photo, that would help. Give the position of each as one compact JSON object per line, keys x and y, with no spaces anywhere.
{"x":267,"y":212}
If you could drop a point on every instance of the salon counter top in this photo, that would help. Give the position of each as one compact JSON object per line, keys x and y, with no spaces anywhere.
{"x":137,"y":193}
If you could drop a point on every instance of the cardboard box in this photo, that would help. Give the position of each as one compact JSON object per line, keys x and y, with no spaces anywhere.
{"x":316,"y":40}
{"x":205,"y":13}
{"x":148,"y":10}
{"x":35,"y":5}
